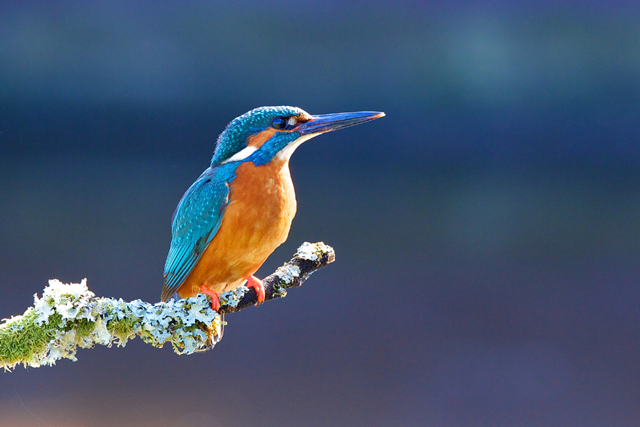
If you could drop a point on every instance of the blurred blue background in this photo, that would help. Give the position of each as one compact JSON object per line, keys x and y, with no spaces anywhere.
{"x":487,"y":230}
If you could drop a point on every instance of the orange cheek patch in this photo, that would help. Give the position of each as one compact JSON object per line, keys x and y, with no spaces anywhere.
{"x":260,"y":138}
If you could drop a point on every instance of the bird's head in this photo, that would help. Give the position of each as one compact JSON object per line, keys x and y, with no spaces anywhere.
{"x":265,"y":133}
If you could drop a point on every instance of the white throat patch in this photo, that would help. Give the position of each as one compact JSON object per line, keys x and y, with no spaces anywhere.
{"x":286,"y":152}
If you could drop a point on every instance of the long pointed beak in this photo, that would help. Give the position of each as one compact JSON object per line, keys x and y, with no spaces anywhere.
{"x":329,"y":122}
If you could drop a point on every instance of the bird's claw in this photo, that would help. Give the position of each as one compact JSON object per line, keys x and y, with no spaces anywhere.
{"x":256,"y":284}
{"x":215,"y":299}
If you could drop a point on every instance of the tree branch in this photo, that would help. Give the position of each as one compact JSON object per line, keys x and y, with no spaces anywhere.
{"x":70,"y":316}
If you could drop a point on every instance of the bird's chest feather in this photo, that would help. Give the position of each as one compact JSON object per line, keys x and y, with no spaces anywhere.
{"x":262,"y":203}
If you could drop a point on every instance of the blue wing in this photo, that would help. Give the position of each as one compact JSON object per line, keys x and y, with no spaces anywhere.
{"x":195,"y":222}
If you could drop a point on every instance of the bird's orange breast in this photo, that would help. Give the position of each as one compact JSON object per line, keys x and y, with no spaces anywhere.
{"x":256,"y":221}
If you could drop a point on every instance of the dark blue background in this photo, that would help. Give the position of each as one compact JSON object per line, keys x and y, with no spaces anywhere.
{"x":487,"y":230}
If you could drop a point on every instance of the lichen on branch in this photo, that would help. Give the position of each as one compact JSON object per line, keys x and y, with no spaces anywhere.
{"x":69,"y":316}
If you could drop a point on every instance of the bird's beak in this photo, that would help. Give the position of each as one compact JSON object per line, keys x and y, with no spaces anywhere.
{"x":328,"y":122}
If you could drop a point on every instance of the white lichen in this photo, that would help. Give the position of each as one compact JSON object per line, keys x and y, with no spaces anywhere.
{"x":308,"y":251}
{"x":288,"y":272}
{"x":232,"y":298}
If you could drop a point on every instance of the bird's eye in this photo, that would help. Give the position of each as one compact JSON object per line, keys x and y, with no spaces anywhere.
{"x":279,"y":123}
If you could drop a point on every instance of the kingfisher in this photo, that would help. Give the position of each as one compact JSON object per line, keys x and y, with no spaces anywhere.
{"x":240,"y":208}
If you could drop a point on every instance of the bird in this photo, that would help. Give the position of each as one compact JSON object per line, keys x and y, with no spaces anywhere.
{"x":241,"y":207}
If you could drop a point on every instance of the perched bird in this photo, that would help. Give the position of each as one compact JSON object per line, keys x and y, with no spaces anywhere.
{"x":240,"y":209}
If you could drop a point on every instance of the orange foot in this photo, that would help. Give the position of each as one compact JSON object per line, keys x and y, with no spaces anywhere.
{"x":255,"y":283}
{"x":215,"y":300}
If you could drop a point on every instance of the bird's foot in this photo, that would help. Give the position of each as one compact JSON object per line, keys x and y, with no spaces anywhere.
{"x":256,"y":284}
{"x":215,"y":300}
